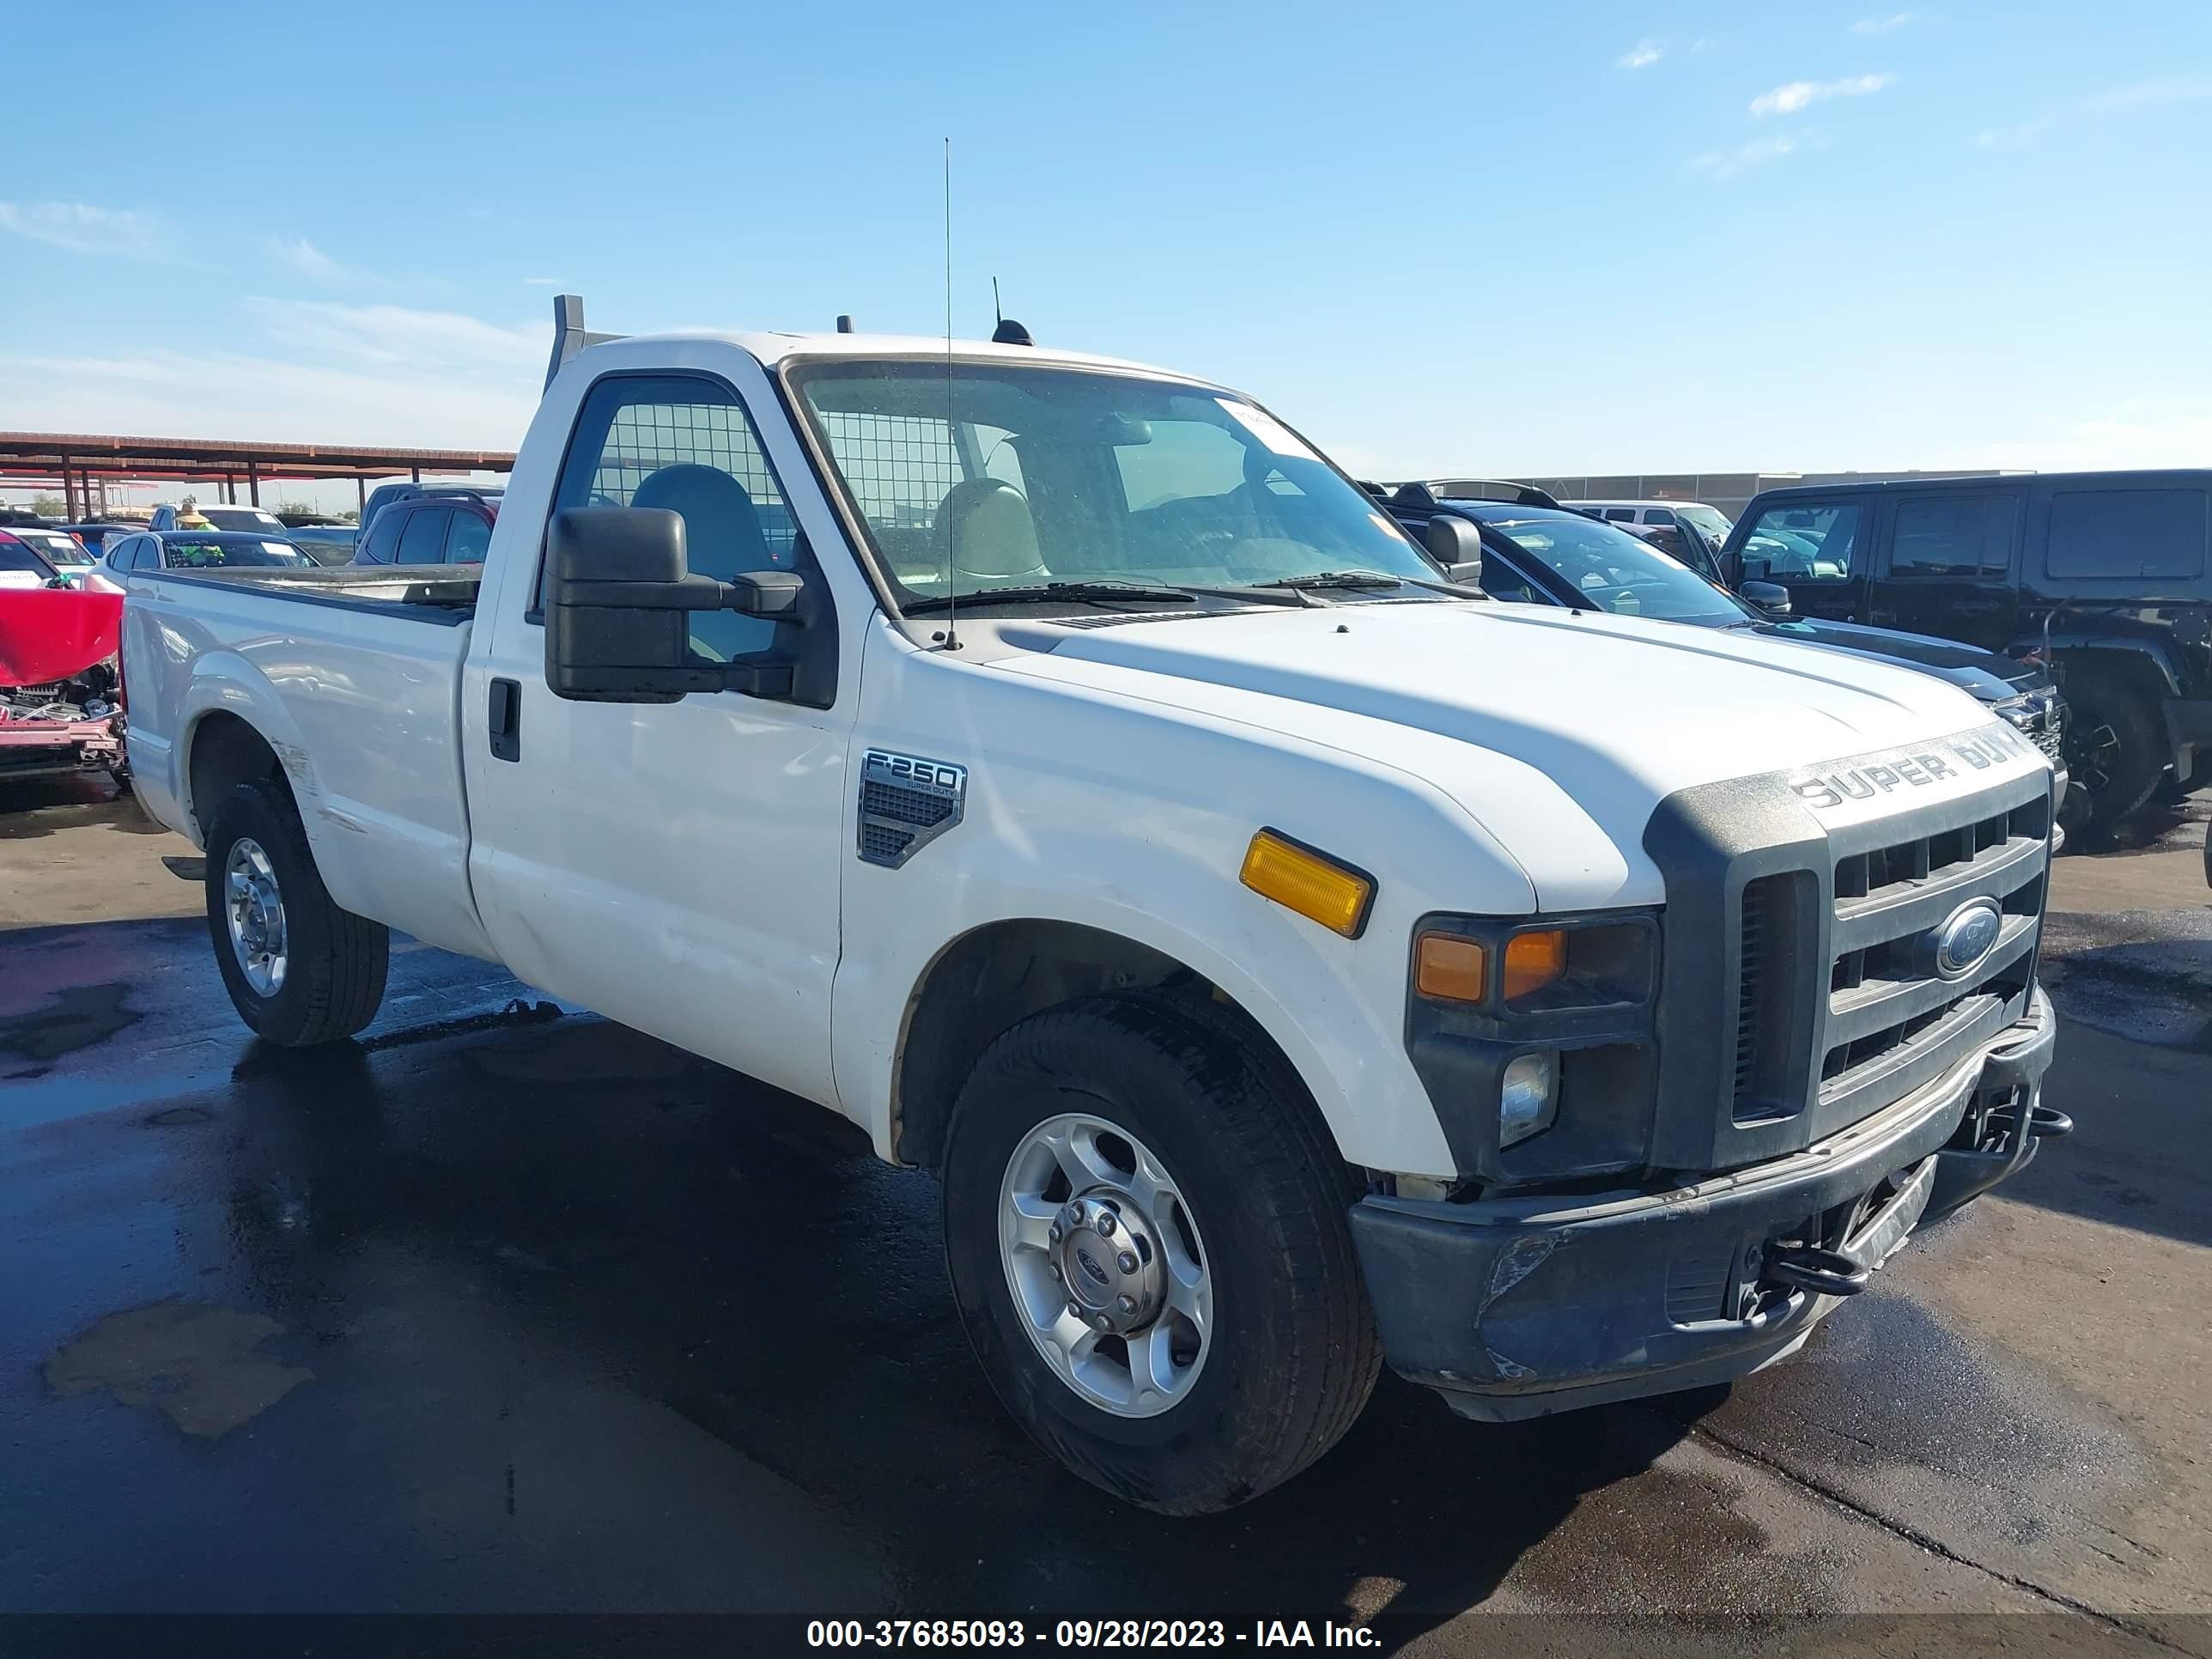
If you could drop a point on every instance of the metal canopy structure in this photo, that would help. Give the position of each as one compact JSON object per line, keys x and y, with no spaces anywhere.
{"x":76,"y":459}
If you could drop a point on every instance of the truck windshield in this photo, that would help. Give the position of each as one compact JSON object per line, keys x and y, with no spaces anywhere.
{"x":1003,"y":475}
{"x":1612,"y":570}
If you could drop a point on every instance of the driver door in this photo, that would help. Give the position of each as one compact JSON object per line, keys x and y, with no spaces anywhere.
{"x":1819,"y":551}
{"x":674,"y":866}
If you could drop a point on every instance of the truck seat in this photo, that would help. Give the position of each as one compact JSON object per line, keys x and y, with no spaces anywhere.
{"x":722,"y":532}
{"x":985,"y":524}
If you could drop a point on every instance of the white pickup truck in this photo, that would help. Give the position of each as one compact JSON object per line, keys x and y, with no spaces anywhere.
{"x":1557,"y":1007}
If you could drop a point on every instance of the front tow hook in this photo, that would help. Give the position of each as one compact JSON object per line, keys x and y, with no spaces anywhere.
{"x":1807,"y":1267}
{"x":2043,"y":1122}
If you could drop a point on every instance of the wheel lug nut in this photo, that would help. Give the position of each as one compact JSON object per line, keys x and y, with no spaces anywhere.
{"x":1103,"y":1324}
{"x":1053,"y":1267}
{"x":1072,"y":1215}
{"x":1126,"y":1303}
{"x":1126,"y":1262}
{"x":1052,"y":1233}
{"x":1105,"y":1223}
{"x":1074,"y":1309}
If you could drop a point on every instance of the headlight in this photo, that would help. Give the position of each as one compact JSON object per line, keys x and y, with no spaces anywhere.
{"x":1528,"y":1097}
{"x":1534,"y":1037}
{"x":1520,"y":969}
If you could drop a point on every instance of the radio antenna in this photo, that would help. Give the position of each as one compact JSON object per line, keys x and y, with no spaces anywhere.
{"x":952,"y":518}
{"x":998,"y":311}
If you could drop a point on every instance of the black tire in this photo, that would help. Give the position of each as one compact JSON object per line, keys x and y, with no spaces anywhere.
{"x":2116,"y":749}
{"x":335,"y":962}
{"x":1294,"y":1351}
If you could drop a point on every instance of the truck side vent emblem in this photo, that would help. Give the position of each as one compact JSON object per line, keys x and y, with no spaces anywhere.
{"x":906,"y":803}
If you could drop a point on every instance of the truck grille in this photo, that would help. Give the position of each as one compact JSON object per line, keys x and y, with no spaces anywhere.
{"x":1893,"y":1021}
{"x":1837,"y":940}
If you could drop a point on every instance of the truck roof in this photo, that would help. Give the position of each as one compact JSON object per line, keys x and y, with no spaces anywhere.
{"x":776,"y":347}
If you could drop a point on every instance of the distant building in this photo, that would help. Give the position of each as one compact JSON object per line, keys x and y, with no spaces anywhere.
{"x":1729,"y":491}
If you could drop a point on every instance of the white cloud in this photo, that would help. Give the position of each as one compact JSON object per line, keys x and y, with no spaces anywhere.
{"x":234,"y":395}
{"x":1727,"y":163}
{"x":301,"y":371}
{"x":1644,"y":54}
{"x":1794,"y":95}
{"x":2163,"y":93}
{"x":82,"y":228}
{"x":298,"y":254}
{"x":389,"y":334}
{"x":2149,"y":95}
{"x":1896,"y":19}
{"x":542,"y":281}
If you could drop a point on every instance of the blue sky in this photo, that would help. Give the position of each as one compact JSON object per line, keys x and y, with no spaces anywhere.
{"x":1438,"y":238}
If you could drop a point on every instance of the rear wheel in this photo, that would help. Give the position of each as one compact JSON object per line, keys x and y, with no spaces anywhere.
{"x":1145,"y":1224}
{"x":300,"y":971}
{"x":2115,"y":747}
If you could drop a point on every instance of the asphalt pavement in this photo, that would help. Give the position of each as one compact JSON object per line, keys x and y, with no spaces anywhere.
{"x":506,"y":1308}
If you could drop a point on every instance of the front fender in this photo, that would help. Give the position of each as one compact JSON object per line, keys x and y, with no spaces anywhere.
{"x":1348,"y":1051}
{"x":1133,"y":818}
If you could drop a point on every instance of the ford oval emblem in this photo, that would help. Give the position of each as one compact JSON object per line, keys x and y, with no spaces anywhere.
{"x":1968,"y":935}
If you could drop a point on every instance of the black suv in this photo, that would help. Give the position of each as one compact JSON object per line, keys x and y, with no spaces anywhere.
{"x":2103,"y":576}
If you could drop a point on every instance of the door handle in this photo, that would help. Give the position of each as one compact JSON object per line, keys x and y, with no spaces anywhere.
{"x":506,"y":720}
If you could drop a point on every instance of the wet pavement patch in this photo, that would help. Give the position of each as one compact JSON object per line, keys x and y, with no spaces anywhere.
{"x":77,"y":1018}
{"x":203,"y":1366}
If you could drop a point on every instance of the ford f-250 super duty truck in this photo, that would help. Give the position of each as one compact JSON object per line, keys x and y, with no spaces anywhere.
{"x":1557,"y":1007}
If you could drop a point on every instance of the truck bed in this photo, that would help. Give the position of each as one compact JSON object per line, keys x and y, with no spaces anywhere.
{"x":353,"y":676}
{"x":438,"y":592}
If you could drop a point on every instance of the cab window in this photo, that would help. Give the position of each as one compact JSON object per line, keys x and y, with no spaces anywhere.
{"x":467,"y":539}
{"x":1803,"y":542}
{"x":687,"y":446}
{"x":1951,"y":537}
{"x":423,"y":541}
{"x":381,"y":544}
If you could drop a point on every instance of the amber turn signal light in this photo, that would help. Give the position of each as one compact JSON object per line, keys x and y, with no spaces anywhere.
{"x":1453,"y":968}
{"x":1534,"y":961}
{"x":1309,"y":883}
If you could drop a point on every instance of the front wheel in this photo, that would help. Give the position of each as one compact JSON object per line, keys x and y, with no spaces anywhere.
{"x":1145,"y":1224}
{"x":299,"y":970}
{"x":2115,"y":748}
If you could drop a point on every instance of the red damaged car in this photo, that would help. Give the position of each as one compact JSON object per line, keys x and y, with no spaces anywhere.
{"x":60,"y":694}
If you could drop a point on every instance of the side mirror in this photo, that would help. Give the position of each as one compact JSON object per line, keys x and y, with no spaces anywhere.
{"x":618,"y":601}
{"x":1457,"y":546}
{"x":1770,"y":596}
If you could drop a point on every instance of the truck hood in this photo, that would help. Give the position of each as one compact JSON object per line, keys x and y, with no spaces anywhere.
{"x":1541,"y":724}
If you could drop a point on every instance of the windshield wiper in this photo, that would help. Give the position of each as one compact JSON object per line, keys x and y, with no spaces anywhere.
{"x":1372,"y":579}
{"x":1104,"y":592}
{"x":1052,"y":592}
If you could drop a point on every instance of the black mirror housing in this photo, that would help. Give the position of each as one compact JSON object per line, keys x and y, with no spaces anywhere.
{"x":619,"y":596}
{"x":1456,"y":544}
{"x":1770,"y":596}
